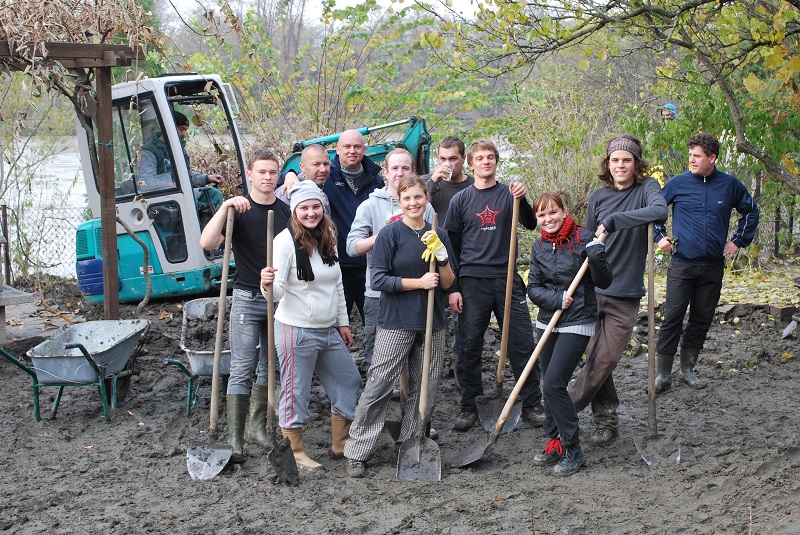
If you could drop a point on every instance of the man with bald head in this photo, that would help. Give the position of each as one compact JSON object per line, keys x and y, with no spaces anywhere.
{"x":352,"y":178}
{"x":315,"y":165}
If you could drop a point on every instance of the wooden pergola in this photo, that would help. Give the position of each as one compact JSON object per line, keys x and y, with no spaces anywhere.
{"x":101,"y":57}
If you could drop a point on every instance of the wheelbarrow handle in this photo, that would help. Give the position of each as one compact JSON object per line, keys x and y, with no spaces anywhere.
{"x":21,"y":365}
{"x":180,"y":365}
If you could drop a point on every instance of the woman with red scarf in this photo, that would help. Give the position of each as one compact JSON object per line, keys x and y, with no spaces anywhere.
{"x":555,"y":260}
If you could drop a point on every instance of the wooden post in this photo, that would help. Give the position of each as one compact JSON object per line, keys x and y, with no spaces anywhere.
{"x":108,"y":208}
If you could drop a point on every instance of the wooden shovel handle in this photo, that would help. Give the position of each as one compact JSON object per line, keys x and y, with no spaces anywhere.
{"x":512,"y":264}
{"x":426,"y":353}
{"x":223,"y":302}
{"x":270,"y":332}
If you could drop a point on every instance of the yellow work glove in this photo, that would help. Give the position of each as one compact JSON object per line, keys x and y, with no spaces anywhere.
{"x":434,"y":247}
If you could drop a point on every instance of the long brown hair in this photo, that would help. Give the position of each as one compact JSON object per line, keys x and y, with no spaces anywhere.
{"x":323,"y":237}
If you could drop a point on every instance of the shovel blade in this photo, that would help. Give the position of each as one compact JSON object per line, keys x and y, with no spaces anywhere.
{"x":206,"y":461}
{"x":472,"y":454}
{"x":282,"y":460}
{"x":419,"y":458}
{"x":489,"y":410}
{"x":659,"y":451}
{"x":789,"y":329}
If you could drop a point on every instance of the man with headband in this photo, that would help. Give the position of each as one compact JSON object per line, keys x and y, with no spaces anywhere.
{"x":622,"y":208}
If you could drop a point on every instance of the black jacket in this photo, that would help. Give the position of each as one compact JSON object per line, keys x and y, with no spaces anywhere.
{"x":553,"y":270}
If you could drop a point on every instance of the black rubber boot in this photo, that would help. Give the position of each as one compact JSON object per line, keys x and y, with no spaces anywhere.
{"x":663,"y":371}
{"x":688,"y":360}
{"x":237,"y":405}
{"x":571,"y":462}
{"x":257,"y":431}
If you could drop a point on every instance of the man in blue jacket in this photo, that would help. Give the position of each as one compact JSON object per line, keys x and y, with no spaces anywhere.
{"x":353,"y":177}
{"x":702,"y":200}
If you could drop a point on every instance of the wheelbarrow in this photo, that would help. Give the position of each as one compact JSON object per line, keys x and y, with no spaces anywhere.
{"x":200,"y":356}
{"x":95,"y":353}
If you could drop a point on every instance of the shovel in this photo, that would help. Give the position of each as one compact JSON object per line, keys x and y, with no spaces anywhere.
{"x":477,"y":450}
{"x":489,"y":408}
{"x":419,"y":456}
{"x":280,"y":455}
{"x":791,"y":327}
{"x":206,"y":461}
{"x":656,"y":450}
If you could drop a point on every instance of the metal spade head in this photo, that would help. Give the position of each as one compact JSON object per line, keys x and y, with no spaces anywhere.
{"x":206,"y":461}
{"x":659,"y":450}
{"x":489,"y":410}
{"x":282,"y":460}
{"x":419,"y":458}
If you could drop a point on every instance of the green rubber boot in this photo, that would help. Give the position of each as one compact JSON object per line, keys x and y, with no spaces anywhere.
{"x":663,"y":371}
{"x":237,"y":414}
{"x":257,"y":430}
{"x":688,"y":360}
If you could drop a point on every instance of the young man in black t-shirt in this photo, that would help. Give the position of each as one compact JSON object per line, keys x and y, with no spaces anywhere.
{"x":248,"y":320}
{"x":479,"y":226}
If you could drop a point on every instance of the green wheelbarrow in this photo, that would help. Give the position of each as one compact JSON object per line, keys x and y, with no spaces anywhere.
{"x":95,"y":354}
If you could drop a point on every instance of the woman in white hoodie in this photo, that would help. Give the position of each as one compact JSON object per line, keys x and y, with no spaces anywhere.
{"x":312,"y":330}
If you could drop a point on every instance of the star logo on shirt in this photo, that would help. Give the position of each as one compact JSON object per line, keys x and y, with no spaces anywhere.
{"x":488,"y":216}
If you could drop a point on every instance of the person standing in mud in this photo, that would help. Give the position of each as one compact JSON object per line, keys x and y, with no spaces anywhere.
{"x":400,"y":270}
{"x":312,"y":329}
{"x":479,"y":227}
{"x":702,"y":200}
{"x":622,"y":209}
{"x":248,"y":320}
{"x":381,"y":209}
{"x":555,"y":260}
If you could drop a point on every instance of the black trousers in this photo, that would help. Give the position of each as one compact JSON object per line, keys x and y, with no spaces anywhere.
{"x":354,"y":281}
{"x":692,"y":286}
{"x":481,"y":298}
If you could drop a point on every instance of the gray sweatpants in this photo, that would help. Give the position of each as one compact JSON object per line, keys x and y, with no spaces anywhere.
{"x":393,"y":349}
{"x":301,"y":353}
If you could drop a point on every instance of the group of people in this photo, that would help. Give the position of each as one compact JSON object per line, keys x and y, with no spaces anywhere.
{"x":343,"y":238}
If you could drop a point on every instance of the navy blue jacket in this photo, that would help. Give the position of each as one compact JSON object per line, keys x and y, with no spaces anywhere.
{"x":701,"y":214}
{"x":344,"y":204}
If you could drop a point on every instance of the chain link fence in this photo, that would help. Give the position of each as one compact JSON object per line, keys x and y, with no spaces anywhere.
{"x":42,"y":240}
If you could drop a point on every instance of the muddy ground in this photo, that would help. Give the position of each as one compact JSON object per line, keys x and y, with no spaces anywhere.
{"x":738,"y":471}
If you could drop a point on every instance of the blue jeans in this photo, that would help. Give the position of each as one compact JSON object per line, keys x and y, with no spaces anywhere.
{"x":248,"y":327}
{"x":482,"y":297}
{"x":303,"y":352}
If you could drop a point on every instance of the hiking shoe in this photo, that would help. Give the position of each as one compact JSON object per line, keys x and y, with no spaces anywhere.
{"x":465,"y":421}
{"x":356,"y":469}
{"x":534,"y":417}
{"x":602,"y":436}
{"x":571,"y":462}
{"x":553,"y":453}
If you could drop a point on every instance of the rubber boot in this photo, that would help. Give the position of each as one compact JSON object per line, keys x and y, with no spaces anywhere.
{"x":663,"y":371}
{"x":295,"y":437}
{"x":340,"y":432}
{"x":237,"y":414}
{"x":257,"y":430}
{"x":688,"y":360}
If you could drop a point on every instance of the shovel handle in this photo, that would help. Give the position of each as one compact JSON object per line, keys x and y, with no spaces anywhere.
{"x":651,"y":332}
{"x":537,"y":350}
{"x":426,"y":352}
{"x":512,"y":264}
{"x":223,"y":294}
{"x":270,"y":333}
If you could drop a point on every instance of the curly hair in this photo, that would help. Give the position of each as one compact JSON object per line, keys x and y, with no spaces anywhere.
{"x":707,"y":142}
{"x":639,"y":168}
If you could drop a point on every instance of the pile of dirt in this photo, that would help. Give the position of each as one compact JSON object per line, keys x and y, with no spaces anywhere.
{"x":737,"y":471}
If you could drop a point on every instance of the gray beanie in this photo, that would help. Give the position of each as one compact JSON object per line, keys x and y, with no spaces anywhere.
{"x":303,"y":191}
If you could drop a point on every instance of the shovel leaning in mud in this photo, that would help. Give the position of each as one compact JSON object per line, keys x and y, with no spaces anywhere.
{"x":206,"y":461}
{"x":477,"y":450}
{"x":490,"y":407}
{"x":280,"y":455}
{"x":419,"y":456}
{"x":656,"y":450}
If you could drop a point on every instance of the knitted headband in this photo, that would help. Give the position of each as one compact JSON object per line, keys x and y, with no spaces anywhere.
{"x":623,"y":143}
